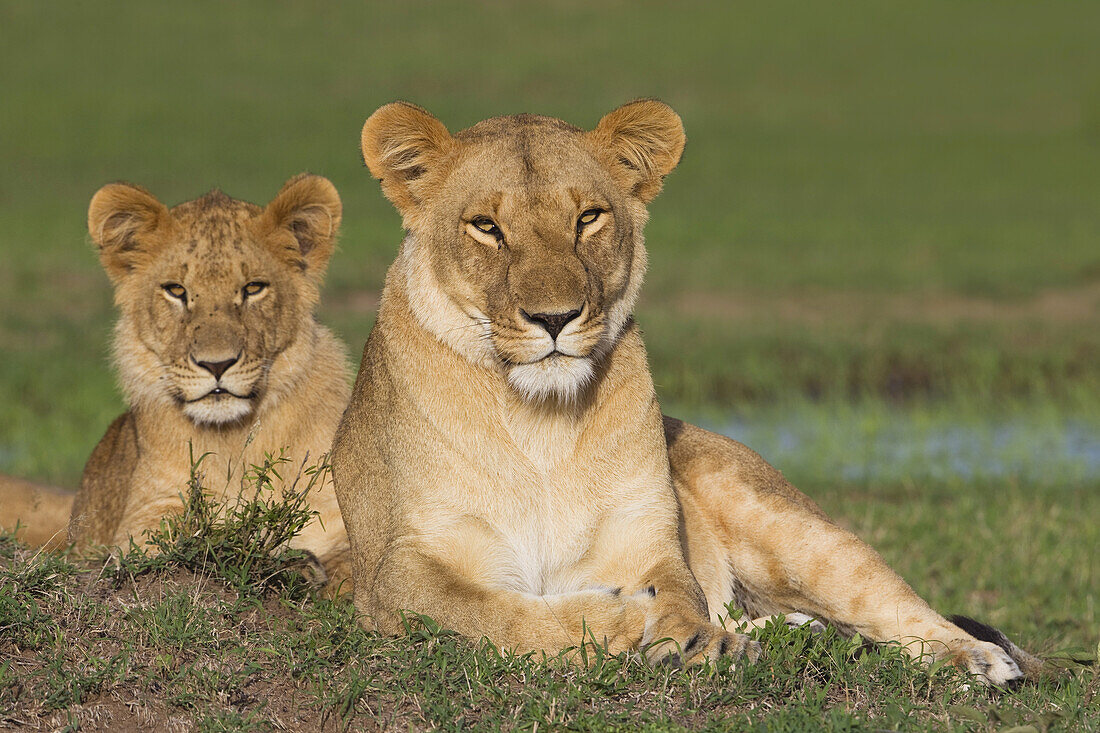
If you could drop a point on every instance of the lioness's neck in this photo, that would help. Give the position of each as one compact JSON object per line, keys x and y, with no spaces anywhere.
{"x":427,"y":302}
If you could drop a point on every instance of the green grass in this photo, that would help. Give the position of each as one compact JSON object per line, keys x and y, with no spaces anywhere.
{"x":245,"y":542}
{"x":206,"y":622}
{"x":171,"y":646}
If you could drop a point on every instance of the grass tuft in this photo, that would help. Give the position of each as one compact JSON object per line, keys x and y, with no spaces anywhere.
{"x":244,"y":542}
{"x":26,"y":589}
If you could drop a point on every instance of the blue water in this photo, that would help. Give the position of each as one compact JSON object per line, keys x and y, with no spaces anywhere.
{"x":882,"y":445}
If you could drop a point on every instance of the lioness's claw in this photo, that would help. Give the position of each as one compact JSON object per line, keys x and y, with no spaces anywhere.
{"x":707,"y":642}
{"x":988,"y":662}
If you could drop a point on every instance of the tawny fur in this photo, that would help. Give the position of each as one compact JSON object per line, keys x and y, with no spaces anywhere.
{"x":508,"y":476}
{"x":218,"y":353}
{"x":40,"y":512}
{"x":755,"y":541}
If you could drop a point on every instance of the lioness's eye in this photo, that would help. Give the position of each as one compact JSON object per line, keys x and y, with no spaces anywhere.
{"x":253,"y":288}
{"x":588,"y":217}
{"x":487,"y":225}
{"x":175,"y":290}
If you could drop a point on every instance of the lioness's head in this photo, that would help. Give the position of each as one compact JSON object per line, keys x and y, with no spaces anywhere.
{"x":525,"y":247}
{"x":211,"y":292}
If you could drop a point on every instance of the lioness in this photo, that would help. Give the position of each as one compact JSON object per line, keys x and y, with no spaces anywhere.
{"x":503,"y":466}
{"x":217,"y":346}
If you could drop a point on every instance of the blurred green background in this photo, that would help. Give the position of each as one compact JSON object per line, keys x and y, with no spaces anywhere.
{"x":885,"y":229}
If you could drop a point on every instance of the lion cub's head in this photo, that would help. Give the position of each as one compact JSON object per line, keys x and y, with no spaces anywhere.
{"x":212,"y":292}
{"x":525,"y":246}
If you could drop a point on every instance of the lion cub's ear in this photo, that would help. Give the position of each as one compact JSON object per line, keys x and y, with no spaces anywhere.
{"x":405,"y":148}
{"x":641,"y":142}
{"x":307,"y":208}
{"x":123,"y":220}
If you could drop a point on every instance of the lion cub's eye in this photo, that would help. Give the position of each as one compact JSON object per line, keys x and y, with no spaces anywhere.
{"x":253,"y":288}
{"x":175,"y":290}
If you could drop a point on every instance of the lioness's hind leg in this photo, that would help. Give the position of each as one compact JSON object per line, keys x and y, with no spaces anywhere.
{"x":1030,"y":665}
{"x":752,"y":539}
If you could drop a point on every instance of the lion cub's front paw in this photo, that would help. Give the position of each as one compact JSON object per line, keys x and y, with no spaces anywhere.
{"x":988,"y":662}
{"x":698,"y":642}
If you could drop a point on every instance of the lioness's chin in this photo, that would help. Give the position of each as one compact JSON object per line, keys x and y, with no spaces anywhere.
{"x":218,"y":410}
{"x":555,"y":377}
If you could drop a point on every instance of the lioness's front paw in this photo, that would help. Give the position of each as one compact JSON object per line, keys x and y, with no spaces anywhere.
{"x":700,"y":642}
{"x":988,"y":662}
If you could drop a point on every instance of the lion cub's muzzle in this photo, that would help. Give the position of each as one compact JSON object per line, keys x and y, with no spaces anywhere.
{"x":218,"y":390}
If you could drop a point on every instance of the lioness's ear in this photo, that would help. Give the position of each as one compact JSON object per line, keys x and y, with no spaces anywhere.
{"x":404,"y":147}
{"x":122,"y":219}
{"x":642,"y":142}
{"x":308,"y":209}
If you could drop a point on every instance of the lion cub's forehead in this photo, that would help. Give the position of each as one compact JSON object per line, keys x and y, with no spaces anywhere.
{"x":214,"y":239}
{"x":527,"y":153}
{"x":214,"y":216}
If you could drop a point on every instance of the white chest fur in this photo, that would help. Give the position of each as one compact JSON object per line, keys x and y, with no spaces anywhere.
{"x":518,"y":513}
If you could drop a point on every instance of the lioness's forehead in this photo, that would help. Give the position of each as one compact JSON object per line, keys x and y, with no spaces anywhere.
{"x":526,"y":152}
{"x":515,"y":124}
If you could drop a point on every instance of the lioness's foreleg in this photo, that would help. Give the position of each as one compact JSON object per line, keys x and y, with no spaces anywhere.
{"x":411,"y":579}
{"x":641,"y":555}
{"x":677,"y":627}
{"x":654,"y":615}
{"x":755,"y":541}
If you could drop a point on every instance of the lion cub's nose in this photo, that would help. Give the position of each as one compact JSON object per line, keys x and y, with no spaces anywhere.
{"x":217,"y":368}
{"x":552,"y":322}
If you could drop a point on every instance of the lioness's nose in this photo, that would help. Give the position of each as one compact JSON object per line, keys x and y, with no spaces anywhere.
{"x":217,"y":368}
{"x":552,"y":322}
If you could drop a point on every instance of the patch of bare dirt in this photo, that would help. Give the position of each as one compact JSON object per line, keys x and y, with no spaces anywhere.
{"x":145,"y":692}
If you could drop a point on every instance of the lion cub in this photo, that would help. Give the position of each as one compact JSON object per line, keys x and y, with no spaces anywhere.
{"x":503,"y":465}
{"x":217,"y":346}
